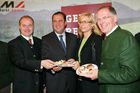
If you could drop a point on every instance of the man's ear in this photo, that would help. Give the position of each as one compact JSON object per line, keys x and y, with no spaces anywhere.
{"x":115,"y":18}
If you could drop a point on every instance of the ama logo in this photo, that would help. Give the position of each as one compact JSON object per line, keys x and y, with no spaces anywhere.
{"x":11,"y":6}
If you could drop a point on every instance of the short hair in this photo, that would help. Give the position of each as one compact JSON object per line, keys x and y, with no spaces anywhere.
{"x":110,"y":8}
{"x":26,"y":16}
{"x":59,"y":12}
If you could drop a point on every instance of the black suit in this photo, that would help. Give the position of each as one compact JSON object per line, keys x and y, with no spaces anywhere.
{"x":26,"y":60}
{"x":88,"y":85}
{"x":63,"y":81}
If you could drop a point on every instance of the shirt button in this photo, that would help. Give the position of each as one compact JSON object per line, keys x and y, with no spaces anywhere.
{"x":34,"y":55}
{"x":102,"y":63}
{"x":36,"y":70}
{"x":36,"y":83}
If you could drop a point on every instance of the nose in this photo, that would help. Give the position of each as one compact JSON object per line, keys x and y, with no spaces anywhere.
{"x":27,"y":27}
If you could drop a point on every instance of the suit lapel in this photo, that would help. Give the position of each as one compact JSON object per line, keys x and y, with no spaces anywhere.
{"x":24,"y":41}
{"x":68,"y":41}
{"x":88,"y":41}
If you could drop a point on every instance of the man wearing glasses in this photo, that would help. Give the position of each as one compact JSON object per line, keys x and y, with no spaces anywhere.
{"x":120,"y":59}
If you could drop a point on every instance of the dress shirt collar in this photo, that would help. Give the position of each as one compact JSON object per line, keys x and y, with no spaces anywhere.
{"x":112,"y":30}
{"x":27,"y":38}
{"x":64,"y":36}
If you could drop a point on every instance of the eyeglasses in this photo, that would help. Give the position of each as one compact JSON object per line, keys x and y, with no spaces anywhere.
{"x":84,"y":22}
{"x":54,"y":21}
{"x":103,"y":18}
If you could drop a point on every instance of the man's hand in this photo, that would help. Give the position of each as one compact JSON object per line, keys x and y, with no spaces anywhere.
{"x":57,"y":68}
{"x":71,"y":60}
{"x":48,"y":64}
{"x":75,"y":65}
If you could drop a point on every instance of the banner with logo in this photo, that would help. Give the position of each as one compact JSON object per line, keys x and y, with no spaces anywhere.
{"x":42,"y":11}
{"x":73,"y":12}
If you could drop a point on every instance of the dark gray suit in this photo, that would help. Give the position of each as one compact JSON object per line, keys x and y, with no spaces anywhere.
{"x":63,"y":81}
{"x":26,"y":60}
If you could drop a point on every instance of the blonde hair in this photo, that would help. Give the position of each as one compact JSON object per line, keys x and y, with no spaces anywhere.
{"x":92,"y":20}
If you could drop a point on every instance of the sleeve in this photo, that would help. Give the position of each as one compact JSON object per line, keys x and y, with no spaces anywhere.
{"x":44,"y":49}
{"x":18,"y":59}
{"x":129,"y":63}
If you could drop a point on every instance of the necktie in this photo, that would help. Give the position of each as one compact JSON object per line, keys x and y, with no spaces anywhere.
{"x":104,"y":36}
{"x":62,"y":42}
{"x":30,"y":41}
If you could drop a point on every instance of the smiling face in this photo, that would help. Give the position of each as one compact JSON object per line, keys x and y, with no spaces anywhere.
{"x":58,"y":23}
{"x":105,"y":20}
{"x":26,"y":27}
{"x":85,"y":24}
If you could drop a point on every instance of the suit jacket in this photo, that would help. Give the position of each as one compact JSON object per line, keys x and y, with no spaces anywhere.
{"x":86,"y":58}
{"x":26,"y":61}
{"x":5,"y":66}
{"x":64,"y":80}
{"x":86,"y":52}
{"x":120,"y":63}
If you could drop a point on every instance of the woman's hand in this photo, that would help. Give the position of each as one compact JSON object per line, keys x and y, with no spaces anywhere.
{"x":93,"y":74}
{"x":75,"y":65}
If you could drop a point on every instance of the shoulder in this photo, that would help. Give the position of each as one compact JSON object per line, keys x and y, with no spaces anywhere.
{"x":3,"y":44}
{"x":48,"y":35}
{"x":36,"y":38}
{"x":124,"y":37}
{"x":123,"y":32}
{"x":120,"y":34}
{"x":15,"y":40}
{"x":71,"y":35}
{"x":96,"y":37}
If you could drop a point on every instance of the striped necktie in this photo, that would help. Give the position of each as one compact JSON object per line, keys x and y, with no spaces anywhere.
{"x":30,"y":41}
{"x":62,"y":42}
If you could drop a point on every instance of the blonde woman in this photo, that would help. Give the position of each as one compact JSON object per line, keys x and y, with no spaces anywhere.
{"x":89,"y":38}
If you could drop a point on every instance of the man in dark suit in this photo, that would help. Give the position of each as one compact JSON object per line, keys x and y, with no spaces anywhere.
{"x":62,"y":80}
{"x":120,"y":58}
{"x":26,"y":58}
{"x":5,"y":69}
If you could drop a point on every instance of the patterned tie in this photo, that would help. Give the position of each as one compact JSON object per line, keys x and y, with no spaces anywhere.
{"x":62,"y":42}
{"x":30,"y":41}
{"x":104,"y":36}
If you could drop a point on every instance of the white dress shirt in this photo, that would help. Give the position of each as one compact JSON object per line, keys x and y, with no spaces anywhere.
{"x":64,"y":37}
{"x":112,"y":30}
{"x":27,"y":38}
